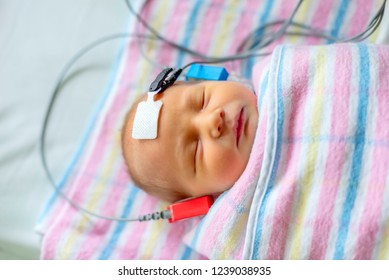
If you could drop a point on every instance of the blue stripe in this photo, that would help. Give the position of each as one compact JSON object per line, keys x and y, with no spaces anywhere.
{"x":339,"y":19}
{"x":91,"y":125}
{"x":188,"y":34}
{"x":263,"y":88}
{"x":186,"y":254}
{"x":356,"y":165}
{"x":258,"y":34}
{"x":269,"y":188}
{"x":107,"y":251}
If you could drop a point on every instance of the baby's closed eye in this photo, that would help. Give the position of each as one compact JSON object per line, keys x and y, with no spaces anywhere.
{"x":197,"y":155}
{"x":199,"y":100}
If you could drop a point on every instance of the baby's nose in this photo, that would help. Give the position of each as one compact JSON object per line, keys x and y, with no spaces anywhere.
{"x":216,"y":123}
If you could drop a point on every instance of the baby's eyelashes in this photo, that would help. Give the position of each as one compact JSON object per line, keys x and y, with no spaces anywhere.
{"x":196,"y":149}
{"x":195,"y":155}
{"x":201,"y":101}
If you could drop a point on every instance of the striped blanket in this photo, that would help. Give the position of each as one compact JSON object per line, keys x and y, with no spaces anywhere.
{"x":96,"y":178}
{"x":323,"y":191}
{"x":317,"y":182}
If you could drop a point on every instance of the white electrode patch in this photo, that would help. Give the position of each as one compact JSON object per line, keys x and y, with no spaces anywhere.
{"x":146,"y":118}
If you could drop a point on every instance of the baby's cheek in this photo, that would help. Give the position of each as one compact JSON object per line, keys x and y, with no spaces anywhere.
{"x":228,"y":167}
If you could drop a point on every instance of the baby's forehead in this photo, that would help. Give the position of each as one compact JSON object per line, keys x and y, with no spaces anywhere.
{"x":171,"y":105}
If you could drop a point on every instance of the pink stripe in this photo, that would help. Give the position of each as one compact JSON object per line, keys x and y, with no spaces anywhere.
{"x":130,"y":249}
{"x":284,"y":12}
{"x":284,"y":204}
{"x":53,"y":239}
{"x":58,"y":218}
{"x":361,"y":16}
{"x":370,"y":220}
{"x":171,"y":247}
{"x":95,"y":237}
{"x":320,"y":18}
{"x":286,"y":8}
{"x":171,"y":29}
{"x":212,"y":236}
{"x":246,"y":24}
{"x":49,"y":244}
{"x":144,"y":14}
{"x":258,"y":70}
{"x":336,"y":154}
{"x":175,"y":23}
{"x":207,"y":28}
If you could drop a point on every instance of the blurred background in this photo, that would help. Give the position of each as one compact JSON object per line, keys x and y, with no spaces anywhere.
{"x":37,"y":38}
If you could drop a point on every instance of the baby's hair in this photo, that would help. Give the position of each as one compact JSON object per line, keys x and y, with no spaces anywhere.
{"x":153,"y":185}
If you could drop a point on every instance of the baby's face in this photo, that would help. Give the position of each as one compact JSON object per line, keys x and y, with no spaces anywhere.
{"x":205,"y":134}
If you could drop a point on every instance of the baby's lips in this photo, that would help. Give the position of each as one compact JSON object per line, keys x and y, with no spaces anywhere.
{"x":238,"y":125}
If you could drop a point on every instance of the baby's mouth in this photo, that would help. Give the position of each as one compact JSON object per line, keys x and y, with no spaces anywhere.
{"x":239,"y":126}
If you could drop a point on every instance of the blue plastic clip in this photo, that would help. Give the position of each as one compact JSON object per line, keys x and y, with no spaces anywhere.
{"x":205,"y":72}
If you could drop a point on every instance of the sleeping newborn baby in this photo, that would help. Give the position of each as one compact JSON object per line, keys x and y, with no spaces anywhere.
{"x":204,"y":138}
{"x":307,"y":162}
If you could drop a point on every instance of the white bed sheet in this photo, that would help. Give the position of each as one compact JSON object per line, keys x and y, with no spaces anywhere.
{"x":36,"y":40}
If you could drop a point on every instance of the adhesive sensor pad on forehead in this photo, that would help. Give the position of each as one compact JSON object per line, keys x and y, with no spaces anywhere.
{"x":146,"y":118}
{"x":147,"y":113}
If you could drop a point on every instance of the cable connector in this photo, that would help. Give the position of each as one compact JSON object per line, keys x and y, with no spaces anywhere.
{"x":165,"y":79}
{"x":189,"y":208}
{"x":181,"y":210}
{"x":155,"y":216}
